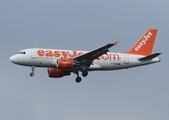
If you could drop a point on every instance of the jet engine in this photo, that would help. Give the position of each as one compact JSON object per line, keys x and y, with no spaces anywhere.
{"x":63,"y":63}
{"x":57,"y":73}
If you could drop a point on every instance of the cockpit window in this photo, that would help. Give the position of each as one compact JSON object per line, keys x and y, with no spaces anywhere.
{"x":22,"y":52}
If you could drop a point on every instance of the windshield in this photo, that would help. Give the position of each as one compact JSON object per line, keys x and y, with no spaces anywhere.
{"x":22,"y":52}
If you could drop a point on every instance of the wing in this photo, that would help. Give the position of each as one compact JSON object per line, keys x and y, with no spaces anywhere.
{"x":92,"y":55}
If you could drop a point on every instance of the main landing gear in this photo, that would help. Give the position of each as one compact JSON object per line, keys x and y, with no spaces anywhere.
{"x":79,"y":79}
{"x":84,"y":73}
{"x":32,"y":69}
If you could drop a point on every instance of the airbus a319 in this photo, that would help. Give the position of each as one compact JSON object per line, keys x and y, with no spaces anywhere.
{"x":62,"y":63}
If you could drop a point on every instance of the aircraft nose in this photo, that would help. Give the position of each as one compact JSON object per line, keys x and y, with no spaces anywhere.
{"x":13,"y":59}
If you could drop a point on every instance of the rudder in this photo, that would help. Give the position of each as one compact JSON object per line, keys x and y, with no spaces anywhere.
{"x":145,"y":44}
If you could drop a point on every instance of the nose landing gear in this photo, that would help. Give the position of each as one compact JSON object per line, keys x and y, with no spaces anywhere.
{"x":32,"y":69}
{"x":31,"y":74}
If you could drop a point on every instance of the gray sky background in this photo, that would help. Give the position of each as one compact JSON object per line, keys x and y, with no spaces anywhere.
{"x":134,"y":94}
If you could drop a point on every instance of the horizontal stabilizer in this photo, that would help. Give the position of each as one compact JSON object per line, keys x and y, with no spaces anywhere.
{"x":150,"y":57}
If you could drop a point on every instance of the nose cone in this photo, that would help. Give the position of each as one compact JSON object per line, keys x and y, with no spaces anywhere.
{"x":13,"y":59}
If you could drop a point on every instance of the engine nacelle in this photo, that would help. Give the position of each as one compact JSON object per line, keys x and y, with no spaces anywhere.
{"x":57,"y":73}
{"x":63,"y":63}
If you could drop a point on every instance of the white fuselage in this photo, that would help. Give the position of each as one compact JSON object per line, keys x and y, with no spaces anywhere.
{"x":39,"y":57}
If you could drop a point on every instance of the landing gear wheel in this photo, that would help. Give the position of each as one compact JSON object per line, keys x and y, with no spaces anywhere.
{"x":78,"y":79}
{"x":31,"y":74}
{"x":32,"y":69}
{"x":84,"y":73}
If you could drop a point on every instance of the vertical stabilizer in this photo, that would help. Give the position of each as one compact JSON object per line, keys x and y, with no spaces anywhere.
{"x":145,"y":44}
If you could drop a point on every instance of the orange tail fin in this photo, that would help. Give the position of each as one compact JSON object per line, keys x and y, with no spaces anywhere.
{"x":145,"y":45}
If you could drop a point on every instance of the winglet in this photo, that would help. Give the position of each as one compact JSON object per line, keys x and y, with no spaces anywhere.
{"x":145,"y":44}
{"x":115,"y":43}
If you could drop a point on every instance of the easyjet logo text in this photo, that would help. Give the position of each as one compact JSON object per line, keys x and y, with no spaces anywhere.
{"x":73,"y":54}
{"x":143,"y":41}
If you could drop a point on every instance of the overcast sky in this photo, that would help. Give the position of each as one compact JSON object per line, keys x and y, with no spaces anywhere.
{"x":134,"y":94}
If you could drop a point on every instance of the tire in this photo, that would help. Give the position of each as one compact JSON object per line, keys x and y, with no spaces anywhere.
{"x":78,"y":79}
{"x":31,"y":74}
{"x":84,"y":73}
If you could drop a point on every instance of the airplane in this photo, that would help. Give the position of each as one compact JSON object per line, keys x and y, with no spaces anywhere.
{"x":62,"y":63}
